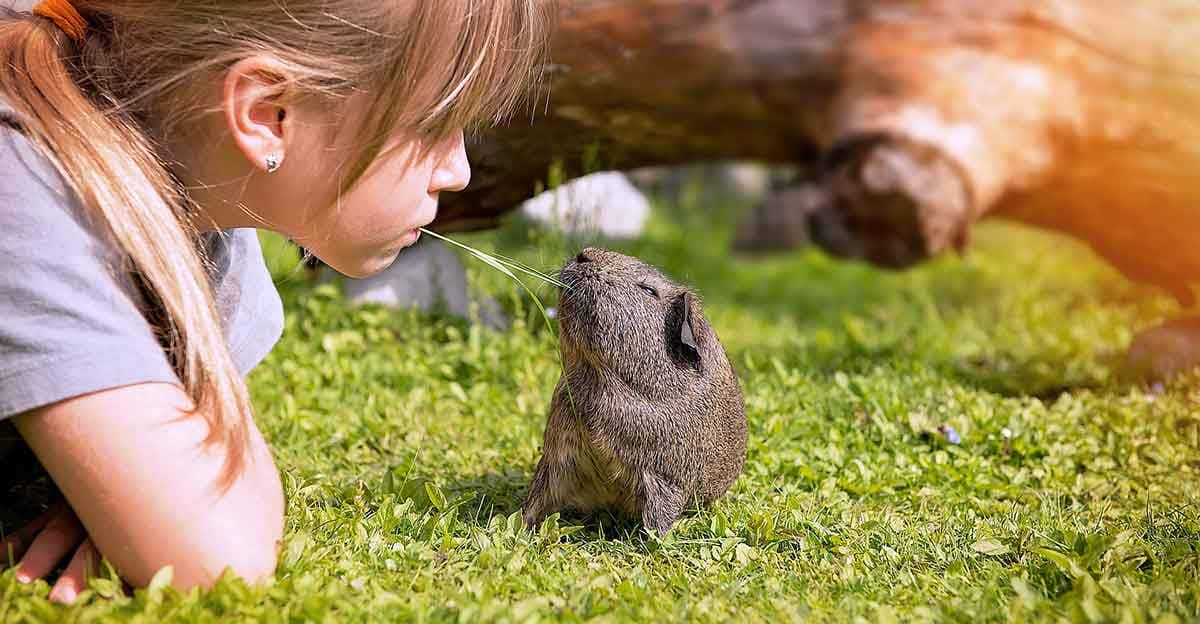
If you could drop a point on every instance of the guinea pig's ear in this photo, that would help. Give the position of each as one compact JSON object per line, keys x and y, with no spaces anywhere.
{"x":687,"y":328}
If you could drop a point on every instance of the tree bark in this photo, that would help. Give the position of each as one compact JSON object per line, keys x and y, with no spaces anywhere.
{"x":919,"y":116}
{"x":657,"y":82}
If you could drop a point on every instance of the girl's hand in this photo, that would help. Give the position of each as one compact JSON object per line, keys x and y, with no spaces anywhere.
{"x":43,"y":543}
{"x":134,"y":464}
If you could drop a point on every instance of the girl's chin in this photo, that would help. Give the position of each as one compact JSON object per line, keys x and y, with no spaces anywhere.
{"x":387,"y":254}
{"x":410,"y":238}
{"x":378,"y":258}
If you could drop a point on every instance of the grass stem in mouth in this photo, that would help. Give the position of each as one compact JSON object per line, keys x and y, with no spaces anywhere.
{"x":494,"y":259}
{"x":495,"y":263}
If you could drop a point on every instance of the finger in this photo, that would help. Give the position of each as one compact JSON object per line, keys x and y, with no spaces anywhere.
{"x":11,"y":550}
{"x":15,"y":545}
{"x":59,"y":537}
{"x":32,"y":527}
{"x":83,"y":565}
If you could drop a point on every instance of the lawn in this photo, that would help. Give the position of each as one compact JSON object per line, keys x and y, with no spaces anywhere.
{"x":406,"y":442}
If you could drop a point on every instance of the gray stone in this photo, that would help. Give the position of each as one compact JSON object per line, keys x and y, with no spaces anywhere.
{"x":601,"y":204}
{"x":782,"y":221}
{"x":1165,"y":351}
{"x":428,"y":276}
{"x":744,"y":179}
{"x":721,"y":180}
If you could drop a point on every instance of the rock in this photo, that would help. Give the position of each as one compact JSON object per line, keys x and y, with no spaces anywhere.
{"x":743,"y":179}
{"x":661,"y":182}
{"x":428,"y":276}
{"x":601,"y":204}
{"x":1162,"y":352}
{"x":782,"y":221}
{"x":724,"y":180}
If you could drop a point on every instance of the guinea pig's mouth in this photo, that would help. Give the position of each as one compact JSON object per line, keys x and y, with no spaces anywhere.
{"x":576,"y":275}
{"x":576,"y":279}
{"x":576,"y":303}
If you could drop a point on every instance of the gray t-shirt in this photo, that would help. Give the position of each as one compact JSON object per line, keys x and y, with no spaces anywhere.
{"x":70,"y":318}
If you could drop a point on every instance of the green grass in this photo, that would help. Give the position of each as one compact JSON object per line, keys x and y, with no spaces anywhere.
{"x":407,"y":441}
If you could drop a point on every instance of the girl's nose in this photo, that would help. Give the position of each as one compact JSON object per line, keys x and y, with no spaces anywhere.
{"x":453,"y":170}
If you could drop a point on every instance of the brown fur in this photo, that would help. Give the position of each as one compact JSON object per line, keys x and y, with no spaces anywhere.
{"x":639,"y":423}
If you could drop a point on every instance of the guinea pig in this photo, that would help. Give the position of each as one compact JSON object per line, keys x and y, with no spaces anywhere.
{"x":647,"y":416}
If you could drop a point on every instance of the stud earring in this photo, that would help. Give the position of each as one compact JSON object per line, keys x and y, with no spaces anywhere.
{"x":273,"y":161}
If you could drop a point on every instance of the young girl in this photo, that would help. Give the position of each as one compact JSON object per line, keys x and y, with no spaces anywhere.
{"x":139,"y":142}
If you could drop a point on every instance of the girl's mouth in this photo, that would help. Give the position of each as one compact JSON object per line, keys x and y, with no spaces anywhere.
{"x":410,"y":237}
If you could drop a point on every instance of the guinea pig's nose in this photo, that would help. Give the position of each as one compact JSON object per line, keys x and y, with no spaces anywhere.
{"x":583,"y":257}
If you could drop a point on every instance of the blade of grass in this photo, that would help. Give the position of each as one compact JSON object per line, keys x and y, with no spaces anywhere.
{"x":502,"y":260}
{"x":499,"y":266}
{"x":523,"y":265}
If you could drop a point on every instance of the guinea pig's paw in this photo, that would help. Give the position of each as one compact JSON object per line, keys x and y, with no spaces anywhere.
{"x":664,"y":504}
{"x":534,"y":511}
{"x":539,"y":503}
{"x":659,"y":528}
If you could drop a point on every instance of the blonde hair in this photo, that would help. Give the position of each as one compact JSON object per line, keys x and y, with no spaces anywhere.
{"x":101,"y":109}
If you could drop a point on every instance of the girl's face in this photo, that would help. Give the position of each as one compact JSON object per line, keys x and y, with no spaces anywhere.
{"x":360,"y":232}
{"x":357,"y":231}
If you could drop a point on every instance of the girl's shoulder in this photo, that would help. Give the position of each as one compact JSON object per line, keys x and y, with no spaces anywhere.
{"x":74,"y":316}
{"x":73,"y":319}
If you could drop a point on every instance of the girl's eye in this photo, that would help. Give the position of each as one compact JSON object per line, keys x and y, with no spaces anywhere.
{"x":649,"y":290}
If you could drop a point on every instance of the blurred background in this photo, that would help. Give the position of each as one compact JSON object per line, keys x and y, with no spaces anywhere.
{"x":876,"y":132}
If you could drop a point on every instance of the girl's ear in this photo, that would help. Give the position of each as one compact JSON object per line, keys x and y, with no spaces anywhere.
{"x":688,"y":329}
{"x":255,"y":108}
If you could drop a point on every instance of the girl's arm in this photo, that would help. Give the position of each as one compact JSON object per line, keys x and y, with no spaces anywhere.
{"x":133,"y":466}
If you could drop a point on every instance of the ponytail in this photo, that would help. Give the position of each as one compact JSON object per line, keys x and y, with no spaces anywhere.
{"x":111,"y":163}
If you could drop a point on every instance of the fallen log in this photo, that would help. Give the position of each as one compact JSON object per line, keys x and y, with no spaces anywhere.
{"x":659,"y":82}
{"x":921,"y":116}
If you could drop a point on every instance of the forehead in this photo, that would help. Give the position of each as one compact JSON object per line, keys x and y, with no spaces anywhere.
{"x":640,"y":267}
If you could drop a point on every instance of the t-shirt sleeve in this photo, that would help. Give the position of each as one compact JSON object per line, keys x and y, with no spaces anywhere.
{"x":70,"y":319}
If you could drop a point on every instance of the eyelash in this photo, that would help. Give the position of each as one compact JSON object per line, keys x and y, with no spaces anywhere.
{"x":649,"y":290}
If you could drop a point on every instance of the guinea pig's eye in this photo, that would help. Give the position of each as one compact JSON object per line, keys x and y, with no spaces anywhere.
{"x":649,"y":290}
